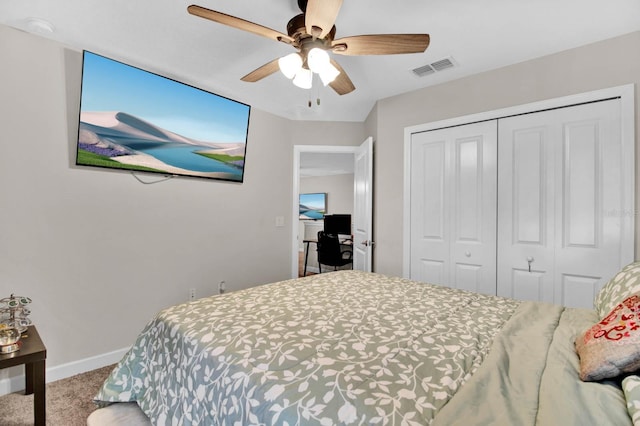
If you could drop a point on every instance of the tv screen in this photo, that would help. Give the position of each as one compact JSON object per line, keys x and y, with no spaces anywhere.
{"x":337,"y":224}
{"x":313,"y":206}
{"x":136,"y":120}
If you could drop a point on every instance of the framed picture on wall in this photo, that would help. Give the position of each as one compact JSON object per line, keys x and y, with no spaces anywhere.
{"x":313,"y":206}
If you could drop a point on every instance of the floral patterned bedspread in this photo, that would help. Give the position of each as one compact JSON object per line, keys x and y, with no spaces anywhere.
{"x":345,"y":347}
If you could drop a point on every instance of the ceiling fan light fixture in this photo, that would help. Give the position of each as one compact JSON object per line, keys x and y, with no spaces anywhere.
{"x":312,"y":33}
{"x":303,"y":78}
{"x":328,"y":74}
{"x":290,"y":65}
{"x":318,"y":60}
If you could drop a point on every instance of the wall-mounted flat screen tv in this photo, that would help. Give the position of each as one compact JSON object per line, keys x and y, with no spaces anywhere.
{"x":313,"y":206}
{"x":136,"y":120}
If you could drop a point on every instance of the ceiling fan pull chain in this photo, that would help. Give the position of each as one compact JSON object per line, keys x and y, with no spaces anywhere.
{"x":317,"y":87}
{"x":318,"y":91}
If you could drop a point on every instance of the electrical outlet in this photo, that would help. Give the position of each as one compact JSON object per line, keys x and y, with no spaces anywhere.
{"x":192,"y":294}
{"x":221,"y":287}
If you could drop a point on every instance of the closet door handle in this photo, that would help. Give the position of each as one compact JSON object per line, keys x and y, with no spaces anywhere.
{"x":529,"y":260}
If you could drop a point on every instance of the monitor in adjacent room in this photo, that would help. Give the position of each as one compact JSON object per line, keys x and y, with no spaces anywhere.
{"x":337,"y":224}
{"x":136,"y":120}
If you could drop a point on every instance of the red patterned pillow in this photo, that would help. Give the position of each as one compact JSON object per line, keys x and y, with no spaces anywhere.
{"x":612,"y":346}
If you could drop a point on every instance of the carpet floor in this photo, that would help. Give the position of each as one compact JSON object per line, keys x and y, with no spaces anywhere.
{"x":69,"y":401}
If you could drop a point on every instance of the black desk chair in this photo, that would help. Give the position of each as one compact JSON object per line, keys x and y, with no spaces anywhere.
{"x":330,"y":252}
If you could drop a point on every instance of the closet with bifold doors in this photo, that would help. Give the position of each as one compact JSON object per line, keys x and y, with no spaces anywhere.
{"x":533,"y":206}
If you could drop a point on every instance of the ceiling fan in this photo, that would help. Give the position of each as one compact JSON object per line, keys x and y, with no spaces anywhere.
{"x":312,"y":33}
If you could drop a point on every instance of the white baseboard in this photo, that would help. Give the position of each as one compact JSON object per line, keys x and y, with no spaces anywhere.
{"x":12,"y":379}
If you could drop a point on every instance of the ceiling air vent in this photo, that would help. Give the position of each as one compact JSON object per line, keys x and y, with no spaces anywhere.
{"x":423,"y":70}
{"x":440,"y":65}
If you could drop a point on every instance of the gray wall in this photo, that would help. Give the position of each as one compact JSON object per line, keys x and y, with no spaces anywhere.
{"x":339,"y":189}
{"x":601,"y":65}
{"x":97,"y":251}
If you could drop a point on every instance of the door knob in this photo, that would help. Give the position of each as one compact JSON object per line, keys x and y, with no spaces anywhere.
{"x":467,"y":253}
{"x":529,"y":260}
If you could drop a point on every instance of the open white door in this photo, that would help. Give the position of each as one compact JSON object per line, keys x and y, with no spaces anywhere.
{"x":363,"y":207}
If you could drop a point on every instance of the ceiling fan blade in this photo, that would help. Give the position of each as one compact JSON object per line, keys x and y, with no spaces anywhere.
{"x":342,"y":84}
{"x":381,"y":44}
{"x":241,"y":24}
{"x":262,"y":72}
{"x":320,"y":16}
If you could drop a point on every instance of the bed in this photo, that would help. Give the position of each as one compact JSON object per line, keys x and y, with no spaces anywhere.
{"x":351,"y":347}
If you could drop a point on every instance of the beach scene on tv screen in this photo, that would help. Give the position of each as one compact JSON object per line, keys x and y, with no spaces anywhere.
{"x":136,"y":120}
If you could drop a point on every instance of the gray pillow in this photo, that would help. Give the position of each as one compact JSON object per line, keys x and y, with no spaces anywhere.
{"x":622,"y":285}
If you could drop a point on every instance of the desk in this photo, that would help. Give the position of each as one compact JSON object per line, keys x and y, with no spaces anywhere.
{"x":32,"y":354}
{"x":306,"y":254}
{"x":347,"y":242}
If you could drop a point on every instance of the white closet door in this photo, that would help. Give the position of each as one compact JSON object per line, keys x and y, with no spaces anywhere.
{"x":453,"y":207}
{"x":560,"y":184}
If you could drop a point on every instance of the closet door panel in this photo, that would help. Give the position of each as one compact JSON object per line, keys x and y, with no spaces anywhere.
{"x":468,"y":191}
{"x":530,"y":285}
{"x":579,"y":290}
{"x":434,"y":271}
{"x":581,"y":185}
{"x":528,"y":190}
{"x":430,"y":245}
{"x":580,"y":181}
{"x":453,"y":207}
{"x":525,"y":210}
{"x":588,"y":239}
{"x":474,"y":207}
{"x":434,"y":190}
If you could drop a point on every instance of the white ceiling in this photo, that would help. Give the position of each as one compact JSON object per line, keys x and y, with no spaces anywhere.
{"x":160,"y":36}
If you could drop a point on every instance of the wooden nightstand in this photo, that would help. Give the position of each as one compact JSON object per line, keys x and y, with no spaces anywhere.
{"x":32,"y":354}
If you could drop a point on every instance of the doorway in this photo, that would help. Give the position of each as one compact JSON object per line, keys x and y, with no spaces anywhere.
{"x":330,"y":159}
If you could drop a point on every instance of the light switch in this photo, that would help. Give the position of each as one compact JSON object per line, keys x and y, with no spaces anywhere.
{"x":279,"y":221}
